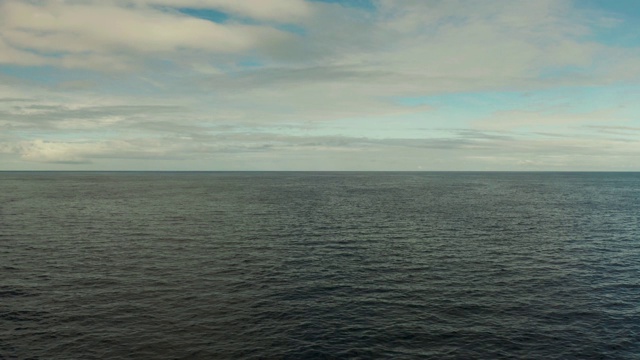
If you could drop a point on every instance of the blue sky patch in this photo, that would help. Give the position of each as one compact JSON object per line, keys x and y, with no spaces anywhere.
{"x":206,"y":14}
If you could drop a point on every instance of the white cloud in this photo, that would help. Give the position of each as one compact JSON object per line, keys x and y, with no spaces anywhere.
{"x":467,"y":45}
{"x":273,"y":151}
{"x":108,"y":37}
{"x":528,"y":119}
{"x":193,"y":89}
{"x":87,"y":151}
{"x":441,"y":45}
{"x":11,"y":55}
{"x":275,"y":10}
{"x":43,"y":151}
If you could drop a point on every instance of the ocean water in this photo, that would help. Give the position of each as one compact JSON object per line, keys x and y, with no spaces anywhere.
{"x":319,"y":265}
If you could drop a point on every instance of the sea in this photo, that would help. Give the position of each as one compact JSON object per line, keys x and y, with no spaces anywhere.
{"x":319,"y":265}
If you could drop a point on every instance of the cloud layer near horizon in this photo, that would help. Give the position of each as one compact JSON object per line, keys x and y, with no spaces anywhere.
{"x":293,"y":84}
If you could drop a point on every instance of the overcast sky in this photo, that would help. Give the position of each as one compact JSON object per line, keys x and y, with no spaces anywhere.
{"x":320,"y":85}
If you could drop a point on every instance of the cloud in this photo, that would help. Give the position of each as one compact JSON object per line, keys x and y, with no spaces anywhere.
{"x":12,"y":55}
{"x":66,"y":153}
{"x":519,"y":119}
{"x":71,"y":34}
{"x":616,"y":130}
{"x":273,"y":10}
{"x":55,"y":116}
{"x":235,"y":149}
{"x":421,"y":46}
{"x":278,"y":82}
{"x":418,"y":48}
{"x":85,"y":152}
{"x":14,"y":100}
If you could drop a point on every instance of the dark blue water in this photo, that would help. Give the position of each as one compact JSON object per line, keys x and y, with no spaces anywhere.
{"x":319,"y":265}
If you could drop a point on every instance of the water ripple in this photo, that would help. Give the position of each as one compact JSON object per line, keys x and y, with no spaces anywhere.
{"x":319,"y":266}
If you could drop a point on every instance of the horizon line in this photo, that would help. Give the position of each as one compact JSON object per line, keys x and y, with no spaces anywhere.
{"x":329,"y":171}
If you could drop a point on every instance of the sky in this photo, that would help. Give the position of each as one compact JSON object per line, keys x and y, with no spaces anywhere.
{"x":360,"y":85}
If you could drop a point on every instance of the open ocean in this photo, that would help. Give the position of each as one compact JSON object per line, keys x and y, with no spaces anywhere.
{"x":304,"y":265}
